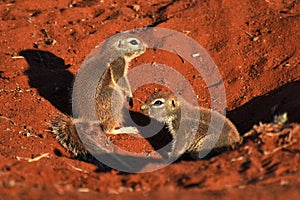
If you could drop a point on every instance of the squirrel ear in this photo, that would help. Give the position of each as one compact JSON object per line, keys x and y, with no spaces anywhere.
{"x":119,"y":43}
{"x":173,"y":103}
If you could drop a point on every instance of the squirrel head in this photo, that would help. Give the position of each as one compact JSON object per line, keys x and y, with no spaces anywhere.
{"x":130,"y":47}
{"x":162,"y":106}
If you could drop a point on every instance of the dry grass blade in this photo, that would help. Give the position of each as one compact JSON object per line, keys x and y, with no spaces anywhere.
{"x":33,"y":159}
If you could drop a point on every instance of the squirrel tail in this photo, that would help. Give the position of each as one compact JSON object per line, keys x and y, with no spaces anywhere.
{"x":64,"y":130}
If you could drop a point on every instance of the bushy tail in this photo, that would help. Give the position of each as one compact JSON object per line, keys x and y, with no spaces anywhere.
{"x":64,"y":130}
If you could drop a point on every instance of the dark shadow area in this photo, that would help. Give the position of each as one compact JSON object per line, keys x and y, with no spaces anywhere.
{"x":128,"y":164}
{"x":263,"y":108}
{"x":57,"y":152}
{"x":48,"y":73}
{"x":214,"y":152}
{"x":157,"y":140}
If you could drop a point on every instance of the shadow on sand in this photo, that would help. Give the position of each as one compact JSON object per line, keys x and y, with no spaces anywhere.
{"x":263,"y":108}
{"x":48,"y":73}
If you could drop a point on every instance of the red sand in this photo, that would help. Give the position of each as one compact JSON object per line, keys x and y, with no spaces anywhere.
{"x":255,"y":45}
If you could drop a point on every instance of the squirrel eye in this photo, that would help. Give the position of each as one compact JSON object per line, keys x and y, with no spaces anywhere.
{"x":158,"y":103}
{"x":133,"y":42}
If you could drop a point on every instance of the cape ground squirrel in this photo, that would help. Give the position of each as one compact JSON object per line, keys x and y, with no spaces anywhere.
{"x":102,"y":91}
{"x":164,"y":107}
{"x":109,"y":93}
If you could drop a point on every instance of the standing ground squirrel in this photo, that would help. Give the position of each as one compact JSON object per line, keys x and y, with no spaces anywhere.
{"x":109,"y":93}
{"x":103,"y":91}
{"x":164,"y":107}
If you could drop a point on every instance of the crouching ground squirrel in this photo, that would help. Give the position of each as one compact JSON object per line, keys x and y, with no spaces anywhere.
{"x":164,"y":107}
{"x":108,"y":94}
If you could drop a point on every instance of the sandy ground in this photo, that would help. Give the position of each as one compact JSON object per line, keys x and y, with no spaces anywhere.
{"x":255,"y":45}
